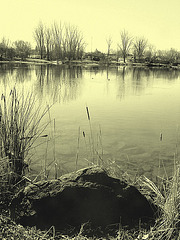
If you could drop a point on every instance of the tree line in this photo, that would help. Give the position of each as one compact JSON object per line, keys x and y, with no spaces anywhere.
{"x":140,"y":50}
{"x":19,"y":49}
{"x":61,"y":41}
{"x":55,"y":42}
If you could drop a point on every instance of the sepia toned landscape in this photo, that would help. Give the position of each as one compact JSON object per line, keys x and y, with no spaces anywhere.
{"x":89,"y":119}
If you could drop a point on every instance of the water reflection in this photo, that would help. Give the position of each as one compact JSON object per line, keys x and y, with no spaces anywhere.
{"x":136,"y":79}
{"x":64,"y":83}
{"x":12,"y":73}
{"x":139,"y":73}
{"x":23,"y":73}
{"x":60,"y":84}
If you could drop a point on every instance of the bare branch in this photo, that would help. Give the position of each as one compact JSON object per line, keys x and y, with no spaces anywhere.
{"x":125,"y":45}
{"x":140,"y":46}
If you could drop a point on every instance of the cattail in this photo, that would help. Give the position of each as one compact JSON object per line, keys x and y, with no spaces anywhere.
{"x":44,"y":136}
{"x":88,"y":113}
{"x":84,"y":134}
{"x":161,"y":137}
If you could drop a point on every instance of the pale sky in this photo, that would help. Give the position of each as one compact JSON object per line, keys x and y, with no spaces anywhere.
{"x":156,"y":20}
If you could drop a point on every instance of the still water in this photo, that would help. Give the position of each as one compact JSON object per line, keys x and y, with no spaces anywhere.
{"x":134,"y":116}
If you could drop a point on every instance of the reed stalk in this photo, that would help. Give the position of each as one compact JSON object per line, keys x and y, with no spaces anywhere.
{"x":78,"y":147}
{"x":84,"y":136}
{"x":91,"y":140}
{"x":54,"y":149}
{"x":19,"y":129}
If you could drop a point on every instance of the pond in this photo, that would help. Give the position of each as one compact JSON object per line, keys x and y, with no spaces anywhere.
{"x":134,"y":116}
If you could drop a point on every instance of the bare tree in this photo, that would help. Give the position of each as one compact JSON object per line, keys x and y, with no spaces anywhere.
{"x":4,"y":46}
{"x":59,"y":41}
{"x":68,"y":41}
{"x":125,"y":44}
{"x":48,"y":42}
{"x":79,"y":45}
{"x":73,"y":43}
{"x":172,"y":55}
{"x":139,"y":45}
{"x":39,"y":36}
{"x":57,"y":32}
{"x":167,"y":56}
{"x":109,"y":43}
{"x":150,"y":53}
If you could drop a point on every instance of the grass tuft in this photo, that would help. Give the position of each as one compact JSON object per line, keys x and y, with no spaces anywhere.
{"x":20,"y":119}
{"x":166,"y":196}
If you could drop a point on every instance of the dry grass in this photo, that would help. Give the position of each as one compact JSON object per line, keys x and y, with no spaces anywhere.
{"x":165,"y":195}
{"x":20,"y":119}
{"x":10,"y":230}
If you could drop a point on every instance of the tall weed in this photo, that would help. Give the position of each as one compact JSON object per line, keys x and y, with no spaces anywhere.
{"x":20,"y":118}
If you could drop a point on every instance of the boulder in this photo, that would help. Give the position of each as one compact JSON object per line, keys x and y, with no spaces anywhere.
{"x":88,"y":195}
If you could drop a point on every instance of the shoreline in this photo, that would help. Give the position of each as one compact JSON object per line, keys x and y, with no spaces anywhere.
{"x":86,"y":63}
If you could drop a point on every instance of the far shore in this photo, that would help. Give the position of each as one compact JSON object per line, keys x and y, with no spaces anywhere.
{"x":89,"y":63}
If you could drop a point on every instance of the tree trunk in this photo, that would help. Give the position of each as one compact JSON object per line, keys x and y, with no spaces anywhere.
{"x":124,"y":58}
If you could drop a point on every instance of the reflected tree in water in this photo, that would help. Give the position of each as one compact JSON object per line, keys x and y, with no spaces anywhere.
{"x":121,"y":90}
{"x":59,"y":83}
{"x":23,"y":73}
{"x":165,"y":73}
{"x":41,"y":74}
{"x":63,"y":83}
{"x":12,"y":73}
{"x":132,"y":80}
{"x":140,"y":77}
{"x":6,"y":71}
{"x":136,"y":79}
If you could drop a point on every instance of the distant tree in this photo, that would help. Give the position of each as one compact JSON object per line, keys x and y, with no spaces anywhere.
{"x":68,"y":40}
{"x":1,"y":50}
{"x":80,"y":45}
{"x":39,"y":36}
{"x":109,"y":43}
{"x":162,"y":56}
{"x":168,"y":56}
{"x":48,"y":42}
{"x":4,"y":45}
{"x":22,"y":48}
{"x":139,"y":46}
{"x":173,"y":55}
{"x":150,"y":53}
{"x":73,"y":43}
{"x":59,"y":41}
{"x":57,"y":33}
{"x":11,"y":53}
{"x":125,"y":44}
{"x":97,"y":55}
